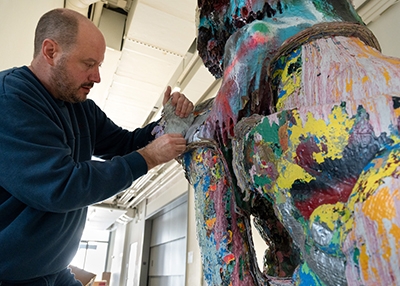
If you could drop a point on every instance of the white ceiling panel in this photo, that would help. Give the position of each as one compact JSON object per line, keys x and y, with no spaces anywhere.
{"x":99,"y":91}
{"x":101,"y":218}
{"x":198,"y":83}
{"x":147,"y":64}
{"x":138,"y":83}
{"x":185,"y":9}
{"x":127,"y":115}
{"x":161,"y":29}
{"x":138,"y":94}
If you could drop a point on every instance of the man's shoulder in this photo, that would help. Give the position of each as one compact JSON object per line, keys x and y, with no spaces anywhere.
{"x":15,"y":77}
{"x":14,"y":72}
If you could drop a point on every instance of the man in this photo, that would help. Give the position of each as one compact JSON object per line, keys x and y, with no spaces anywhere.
{"x":48,"y":134}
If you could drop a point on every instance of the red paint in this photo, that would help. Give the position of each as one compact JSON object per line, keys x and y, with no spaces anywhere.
{"x":228,"y":258}
{"x":340,"y":192}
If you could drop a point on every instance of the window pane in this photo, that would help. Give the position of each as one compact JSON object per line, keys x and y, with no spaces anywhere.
{"x":79,"y":259}
{"x":96,"y":255}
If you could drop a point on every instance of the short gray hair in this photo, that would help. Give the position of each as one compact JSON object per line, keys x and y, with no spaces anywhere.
{"x":60,"y":25}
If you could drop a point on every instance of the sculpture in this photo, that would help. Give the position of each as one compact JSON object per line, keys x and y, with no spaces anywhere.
{"x":303,"y":135}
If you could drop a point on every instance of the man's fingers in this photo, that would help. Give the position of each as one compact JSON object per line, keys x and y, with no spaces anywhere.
{"x":167,"y":95}
{"x":183,"y":106}
{"x":163,"y":149}
{"x":187,"y":108}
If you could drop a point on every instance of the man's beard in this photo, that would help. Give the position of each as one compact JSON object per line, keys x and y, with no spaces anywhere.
{"x":65,"y":88}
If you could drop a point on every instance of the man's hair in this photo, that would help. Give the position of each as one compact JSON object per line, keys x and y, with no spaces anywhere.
{"x":60,"y":25}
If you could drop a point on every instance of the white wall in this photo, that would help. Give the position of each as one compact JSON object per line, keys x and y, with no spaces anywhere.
{"x":194,"y":273}
{"x":17,"y":35}
{"x":134,"y":236}
{"x":386,"y":28}
{"x":118,"y":253}
{"x":135,"y":231}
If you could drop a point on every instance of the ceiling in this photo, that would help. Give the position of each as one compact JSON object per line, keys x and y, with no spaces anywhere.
{"x":158,"y":50}
{"x":151,"y":44}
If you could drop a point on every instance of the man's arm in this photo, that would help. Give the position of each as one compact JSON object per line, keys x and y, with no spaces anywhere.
{"x":168,"y":146}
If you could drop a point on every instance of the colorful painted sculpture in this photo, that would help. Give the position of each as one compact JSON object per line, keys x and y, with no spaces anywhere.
{"x":303,"y":135}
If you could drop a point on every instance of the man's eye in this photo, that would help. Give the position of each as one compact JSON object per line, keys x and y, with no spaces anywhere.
{"x":89,"y":65}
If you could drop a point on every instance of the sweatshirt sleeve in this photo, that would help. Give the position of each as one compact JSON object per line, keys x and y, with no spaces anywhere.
{"x":112,"y":140}
{"x":39,"y":167}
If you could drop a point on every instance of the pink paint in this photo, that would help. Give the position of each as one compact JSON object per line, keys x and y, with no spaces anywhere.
{"x":330,"y":64}
{"x":224,"y":114}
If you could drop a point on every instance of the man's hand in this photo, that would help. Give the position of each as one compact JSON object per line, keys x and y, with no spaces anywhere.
{"x":184,"y":106}
{"x":163,"y":149}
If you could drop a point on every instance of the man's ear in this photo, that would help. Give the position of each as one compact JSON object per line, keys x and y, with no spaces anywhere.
{"x":49,"y":50}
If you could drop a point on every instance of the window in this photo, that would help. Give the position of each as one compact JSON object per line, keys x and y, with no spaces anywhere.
{"x":92,"y":253}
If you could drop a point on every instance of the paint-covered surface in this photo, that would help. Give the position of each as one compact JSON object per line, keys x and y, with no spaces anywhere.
{"x":312,"y":163}
{"x":329,"y":161}
{"x":304,"y":140}
{"x":222,"y":231}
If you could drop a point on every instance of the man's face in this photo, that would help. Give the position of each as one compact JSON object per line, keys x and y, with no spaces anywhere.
{"x":77,"y":70}
{"x":67,"y":85}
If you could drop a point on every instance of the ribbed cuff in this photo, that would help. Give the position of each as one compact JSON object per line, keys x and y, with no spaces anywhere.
{"x":137,"y":164}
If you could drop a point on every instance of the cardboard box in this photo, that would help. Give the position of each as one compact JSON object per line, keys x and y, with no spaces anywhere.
{"x":85,"y":277}
{"x":106,"y":276}
{"x":100,"y":283}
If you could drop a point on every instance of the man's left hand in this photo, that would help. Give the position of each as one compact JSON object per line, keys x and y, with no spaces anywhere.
{"x":183,"y":106}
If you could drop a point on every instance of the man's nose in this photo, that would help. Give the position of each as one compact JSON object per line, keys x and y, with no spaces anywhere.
{"x":95,"y":76}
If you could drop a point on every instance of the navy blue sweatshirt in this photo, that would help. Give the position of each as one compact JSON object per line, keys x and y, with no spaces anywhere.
{"x":47,"y":177}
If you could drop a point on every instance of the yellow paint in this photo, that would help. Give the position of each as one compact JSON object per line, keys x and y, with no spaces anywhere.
{"x":377,"y":193}
{"x":349,"y":84}
{"x":328,"y":215}
{"x":290,"y":82}
{"x":387,"y":76}
{"x":348,"y":224}
{"x":366,"y":268}
{"x":380,"y":207}
{"x":319,"y":157}
{"x":289,"y":173}
{"x":241,"y":226}
{"x":395,"y":232}
{"x":376,"y":274}
{"x":230,"y":235}
{"x":198,"y":158}
{"x":367,"y":51}
{"x":368,"y":183}
{"x":365,"y":79}
{"x":210,"y":223}
{"x":370,"y":180}
{"x":397,"y":112}
{"x":335,"y":132}
{"x":364,"y":261}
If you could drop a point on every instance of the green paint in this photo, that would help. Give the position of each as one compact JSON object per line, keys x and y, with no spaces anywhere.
{"x":356,"y":256}
{"x":260,"y":27}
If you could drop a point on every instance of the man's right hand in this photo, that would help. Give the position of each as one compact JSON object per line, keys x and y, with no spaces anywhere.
{"x":163,"y":149}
